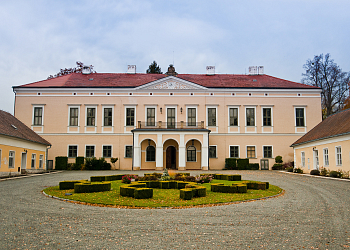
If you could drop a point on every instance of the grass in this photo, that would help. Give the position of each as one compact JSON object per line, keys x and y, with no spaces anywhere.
{"x":161,"y":197}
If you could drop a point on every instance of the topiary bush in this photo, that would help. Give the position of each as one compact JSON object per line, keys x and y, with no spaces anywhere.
{"x":234,"y":177}
{"x":315,"y":172}
{"x":278,"y":159}
{"x":91,"y":187}
{"x":79,"y":162}
{"x":277,"y":166}
{"x":64,"y":185}
{"x":298,"y":170}
{"x":61,"y":163}
{"x":143,"y":193}
{"x":335,"y":174}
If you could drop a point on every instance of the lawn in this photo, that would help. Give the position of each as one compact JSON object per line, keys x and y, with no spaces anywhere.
{"x":161,"y":197}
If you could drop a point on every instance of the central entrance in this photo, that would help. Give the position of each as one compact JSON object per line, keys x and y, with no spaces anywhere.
{"x":171,"y":157}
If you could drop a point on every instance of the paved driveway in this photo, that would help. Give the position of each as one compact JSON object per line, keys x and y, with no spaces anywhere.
{"x":313,"y":214}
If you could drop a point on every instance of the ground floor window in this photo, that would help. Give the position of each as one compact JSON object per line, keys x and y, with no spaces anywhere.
{"x":267,"y":151}
{"x":72,"y":151}
{"x":128,"y":151}
{"x":303,"y":159}
{"x":11,"y":159}
{"x":250,"y":151}
{"x":90,"y":151}
{"x":191,"y":153}
{"x":339,"y":158}
{"x":41,"y":159}
{"x":212,"y":152}
{"x":326,"y":157}
{"x":107,"y":151}
{"x":234,"y":152}
{"x":33,"y":160}
{"x":150,"y":153}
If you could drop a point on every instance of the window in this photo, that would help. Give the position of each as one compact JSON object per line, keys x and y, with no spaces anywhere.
{"x":11,"y":159}
{"x":33,"y":161}
{"x":171,"y":118}
{"x":233,"y":116}
{"x":250,"y":151}
{"x":38,"y":116}
{"x":151,"y":116}
{"x":72,"y":151}
{"x":211,"y":117}
{"x":150,"y":153}
{"x":0,"y":158}
{"x":212,"y":151}
{"x":326,"y":157}
{"x":130,"y":116}
{"x":107,"y":151}
{"x":128,"y":151}
{"x":267,"y":151}
{"x":191,"y":153}
{"x":266,"y":116}
{"x":191,"y":116}
{"x":299,"y":116}
{"x":250,"y":116}
{"x":234,"y":152}
{"x":73,"y":116}
{"x":339,"y":159}
{"x":303,"y":159}
{"x":90,"y":116}
{"x":41,"y":158}
{"x":316,"y":159}
{"x":90,"y":151}
{"x":107,"y":116}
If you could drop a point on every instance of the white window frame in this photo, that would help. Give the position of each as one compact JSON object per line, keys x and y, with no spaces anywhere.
{"x":229,"y":151}
{"x":246,"y":151}
{"x":33,"y":158}
{"x":166,"y":114}
{"x":245,"y":119}
{"x":228,"y":117}
{"x":216,"y":117}
{"x":300,"y":128}
{"x":191,"y":107}
{"x":264,"y":151}
{"x":41,"y":161}
{"x":111,"y":151}
{"x":302,"y":158}
{"x":96,"y":115}
{"x":125,"y":126}
{"x":325,"y":157}
{"x":216,"y":151}
{"x":69,"y":126}
{"x":270,"y":128}
{"x":338,"y":160}
{"x":94,"y":150}
{"x":107,"y":129}
{"x":13,"y":158}
{"x":155,"y":114}
{"x":316,"y":159}
{"x":68,"y":150}
{"x":132,"y":152}
{"x":42,"y":117}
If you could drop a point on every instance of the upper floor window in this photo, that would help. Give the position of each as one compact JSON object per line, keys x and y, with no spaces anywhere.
{"x":73,"y":116}
{"x":72,"y":151}
{"x":338,"y":156}
{"x":191,"y":153}
{"x":33,"y":161}
{"x":11,"y":159}
{"x":326,"y":157}
{"x":38,"y":116}
{"x":267,"y":116}
{"x":212,"y":117}
{"x":150,"y":153}
{"x":171,"y":117}
{"x":90,"y":151}
{"x":299,"y":117}
{"x":151,"y":116}
{"x":107,"y":116}
{"x":90,"y":116}
{"x":212,"y":152}
{"x":250,"y":116}
{"x":234,"y":152}
{"x":233,"y":116}
{"x":191,"y":116}
{"x":130,"y":116}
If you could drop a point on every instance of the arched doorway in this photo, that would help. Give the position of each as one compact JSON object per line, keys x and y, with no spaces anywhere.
{"x":171,"y":157}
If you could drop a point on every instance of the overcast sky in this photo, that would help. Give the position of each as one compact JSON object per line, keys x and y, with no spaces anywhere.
{"x":37,"y":38}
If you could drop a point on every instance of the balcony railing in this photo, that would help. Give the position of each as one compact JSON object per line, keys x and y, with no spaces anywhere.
{"x":170,"y":125}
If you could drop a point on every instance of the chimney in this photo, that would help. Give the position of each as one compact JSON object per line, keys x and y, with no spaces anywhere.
{"x":131,"y":69}
{"x":253,"y":70}
{"x":210,"y":70}
{"x":260,"y":70}
{"x":86,"y":70}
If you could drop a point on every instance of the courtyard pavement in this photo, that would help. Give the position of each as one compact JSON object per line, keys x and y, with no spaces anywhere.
{"x":312,"y":214}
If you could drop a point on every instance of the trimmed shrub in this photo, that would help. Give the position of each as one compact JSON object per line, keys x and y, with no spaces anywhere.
{"x":79,"y":161}
{"x":153,"y":184}
{"x":164,"y":184}
{"x":241,"y":188}
{"x":61,"y":163}
{"x":253,"y":166}
{"x":218,"y":176}
{"x":298,"y":170}
{"x":97,"y":178}
{"x":278,"y":159}
{"x":290,"y":169}
{"x":128,"y":190}
{"x":190,"y":178}
{"x":214,"y":187}
{"x":315,"y":172}
{"x":231,"y":163}
{"x":114,"y":177}
{"x":277,"y":166}
{"x":186,"y":193}
{"x":242,"y":164}
{"x":173,"y":184}
{"x":143,"y":193}
{"x":86,"y":187}
{"x":97,"y":164}
{"x":234,"y":177}
{"x":64,"y":185}
{"x":201,"y":191}
{"x":182,"y":184}
{"x":261,"y":186}
{"x":335,"y":174}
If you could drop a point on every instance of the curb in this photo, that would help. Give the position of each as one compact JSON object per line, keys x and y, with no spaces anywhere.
{"x":316,"y":176}
{"x":26,"y":176}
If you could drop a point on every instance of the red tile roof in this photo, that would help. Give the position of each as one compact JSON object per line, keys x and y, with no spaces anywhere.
{"x":123,"y":80}
{"x":11,"y":126}
{"x":334,"y":125}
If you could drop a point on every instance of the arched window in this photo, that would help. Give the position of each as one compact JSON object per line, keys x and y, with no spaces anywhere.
{"x":150,"y":153}
{"x":191,"y":153}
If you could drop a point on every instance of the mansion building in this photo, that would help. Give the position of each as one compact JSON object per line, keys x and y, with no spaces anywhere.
{"x":174,"y":121}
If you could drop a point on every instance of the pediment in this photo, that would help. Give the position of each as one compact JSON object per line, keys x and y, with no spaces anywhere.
{"x":171,"y":83}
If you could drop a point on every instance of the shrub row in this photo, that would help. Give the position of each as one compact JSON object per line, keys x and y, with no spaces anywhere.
{"x":107,"y":177}
{"x":228,"y":177}
{"x":257,"y":185}
{"x":235,"y":188}
{"x":64,"y":185}
{"x":193,"y":191}
{"x":238,"y":164}
{"x":91,"y":187}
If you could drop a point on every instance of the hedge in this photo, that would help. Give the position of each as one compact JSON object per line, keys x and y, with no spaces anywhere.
{"x":235,"y":188}
{"x":242,"y":164}
{"x":64,"y":185}
{"x":107,"y":177}
{"x":253,"y":166}
{"x":61,"y":163}
{"x":234,"y":177}
{"x":164,"y":185}
{"x":79,"y":161}
{"x":231,"y":163}
{"x":86,"y":187}
{"x":143,"y":193}
{"x":257,"y":185}
{"x":186,"y":193}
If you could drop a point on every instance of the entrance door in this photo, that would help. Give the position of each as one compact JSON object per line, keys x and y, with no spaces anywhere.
{"x":316,"y":161}
{"x":23,"y":162}
{"x":171,"y":157}
{"x":264,"y":164}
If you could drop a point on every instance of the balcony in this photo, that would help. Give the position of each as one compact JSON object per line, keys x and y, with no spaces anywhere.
{"x":171,"y":125}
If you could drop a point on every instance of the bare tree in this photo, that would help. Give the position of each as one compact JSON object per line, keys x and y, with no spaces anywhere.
{"x":77,"y":69}
{"x":323,"y":72}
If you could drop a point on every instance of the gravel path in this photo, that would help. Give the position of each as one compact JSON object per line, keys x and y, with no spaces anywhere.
{"x":313,"y":214}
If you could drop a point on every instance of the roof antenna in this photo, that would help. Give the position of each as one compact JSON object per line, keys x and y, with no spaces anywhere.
{"x":173,"y":58}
